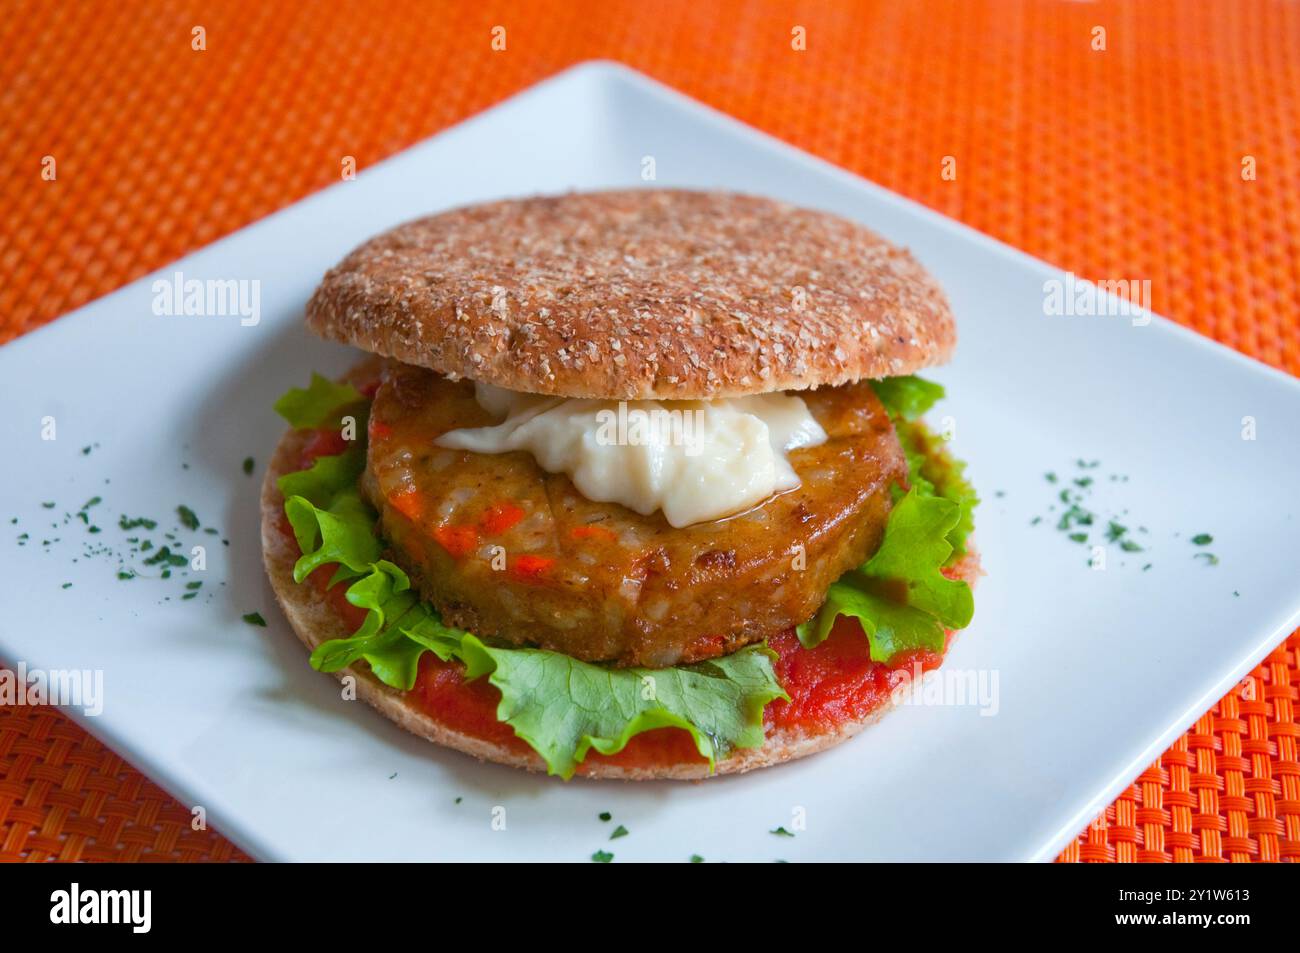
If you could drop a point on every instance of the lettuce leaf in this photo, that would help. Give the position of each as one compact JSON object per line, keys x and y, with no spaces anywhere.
{"x":341,"y":533}
{"x":891,"y":626}
{"x":913,"y":550}
{"x":933,"y":471}
{"x":900,"y":596}
{"x":318,"y":404}
{"x":325,"y":477}
{"x":562,"y":707}
{"x":908,"y":396}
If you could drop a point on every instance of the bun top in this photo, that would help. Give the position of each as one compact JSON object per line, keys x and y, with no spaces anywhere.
{"x":639,"y":294}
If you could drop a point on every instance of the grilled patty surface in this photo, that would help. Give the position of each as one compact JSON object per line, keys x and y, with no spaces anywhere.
{"x":511,"y":553}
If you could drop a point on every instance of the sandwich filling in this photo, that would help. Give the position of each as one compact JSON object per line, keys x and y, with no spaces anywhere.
{"x":510,"y":604}
{"x":693,"y":460}
{"x":502,"y":546}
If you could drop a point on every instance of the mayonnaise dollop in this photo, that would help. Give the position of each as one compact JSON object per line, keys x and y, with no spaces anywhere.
{"x":695,"y":460}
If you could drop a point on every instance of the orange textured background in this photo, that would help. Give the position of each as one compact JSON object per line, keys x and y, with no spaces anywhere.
{"x":1117,"y":163}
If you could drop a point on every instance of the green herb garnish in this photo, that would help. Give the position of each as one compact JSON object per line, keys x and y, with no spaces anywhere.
{"x":187,"y":517}
{"x":1075,"y":515}
{"x":167,"y":557}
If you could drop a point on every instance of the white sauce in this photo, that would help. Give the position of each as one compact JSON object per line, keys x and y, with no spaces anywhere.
{"x":696,"y":460}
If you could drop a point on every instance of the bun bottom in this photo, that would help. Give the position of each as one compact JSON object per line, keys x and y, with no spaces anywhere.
{"x":314,"y":621}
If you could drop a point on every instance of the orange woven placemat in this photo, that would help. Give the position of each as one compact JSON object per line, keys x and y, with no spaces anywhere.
{"x":1122,"y":161}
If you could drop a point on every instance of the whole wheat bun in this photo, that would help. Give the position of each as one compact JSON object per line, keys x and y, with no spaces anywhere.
{"x":639,"y":294}
{"x":315,"y":621}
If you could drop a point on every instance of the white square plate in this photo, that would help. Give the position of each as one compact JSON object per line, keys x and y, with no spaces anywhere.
{"x":1097,"y":670}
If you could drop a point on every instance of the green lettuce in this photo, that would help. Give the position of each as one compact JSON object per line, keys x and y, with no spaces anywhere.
{"x":900,"y":596}
{"x":318,"y":404}
{"x":397,"y":631}
{"x":340,"y":533}
{"x":891,"y":626}
{"x":913,"y":550}
{"x":319,"y":482}
{"x":932,"y":471}
{"x":564,"y":707}
{"x":907,"y":396}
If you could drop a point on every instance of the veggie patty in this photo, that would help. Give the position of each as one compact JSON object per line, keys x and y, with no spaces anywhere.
{"x":503,"y":549}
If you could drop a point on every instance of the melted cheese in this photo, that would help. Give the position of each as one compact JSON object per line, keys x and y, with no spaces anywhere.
{"x":695,"y":460}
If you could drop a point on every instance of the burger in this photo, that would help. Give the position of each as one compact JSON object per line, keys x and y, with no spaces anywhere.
{"x":630,"y":484}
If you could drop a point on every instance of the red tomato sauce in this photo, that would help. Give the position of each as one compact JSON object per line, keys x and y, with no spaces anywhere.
{"x":829,"y":686}
{"x":836,"y":682}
